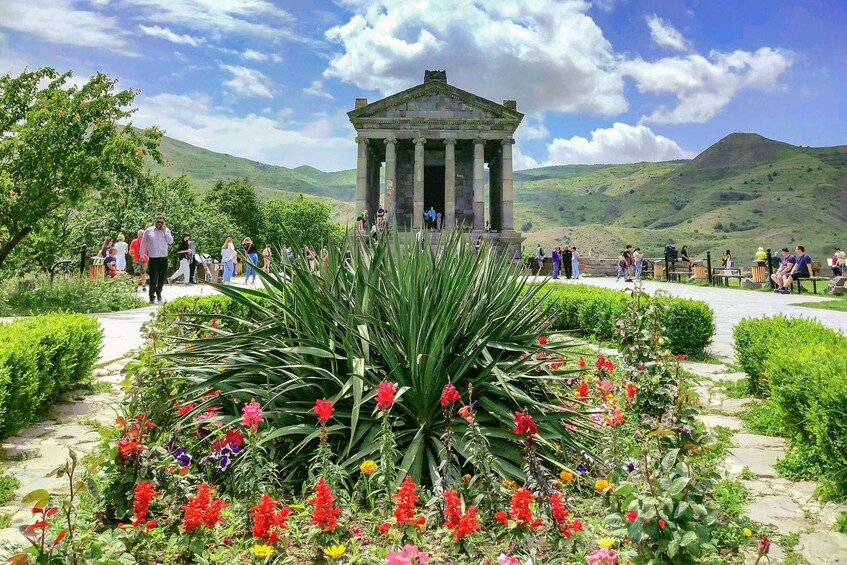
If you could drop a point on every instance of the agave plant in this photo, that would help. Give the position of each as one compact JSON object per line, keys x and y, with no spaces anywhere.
{"x":419,"y":316}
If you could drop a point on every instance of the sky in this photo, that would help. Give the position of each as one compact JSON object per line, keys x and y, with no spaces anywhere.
{"x":602,"y":81}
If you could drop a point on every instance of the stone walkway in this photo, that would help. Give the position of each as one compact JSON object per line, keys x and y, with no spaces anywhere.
{"x":73,"y":422}
{"x":787,"y":507}
{"x":730,"y":306}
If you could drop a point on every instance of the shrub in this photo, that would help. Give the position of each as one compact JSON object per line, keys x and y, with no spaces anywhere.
{"x":29,"y":296}
{"x":688,"y":324}
{"x":40,"y":358}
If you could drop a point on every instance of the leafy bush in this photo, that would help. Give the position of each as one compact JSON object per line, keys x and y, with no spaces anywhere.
{"x":688,"y":324}
{"x":422,"y":318}
{"x":40,"y":358}
{"x":29,"y":296}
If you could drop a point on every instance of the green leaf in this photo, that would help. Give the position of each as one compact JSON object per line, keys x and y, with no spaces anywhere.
{"x":688,"y":538}
{"x":39,"y":497}
{"x":673,"y":547}
{"x":669,"y":459}
{"x":678,"y":485}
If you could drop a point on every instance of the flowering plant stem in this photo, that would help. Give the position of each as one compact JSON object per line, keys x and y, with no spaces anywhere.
{"x":386,"y":467}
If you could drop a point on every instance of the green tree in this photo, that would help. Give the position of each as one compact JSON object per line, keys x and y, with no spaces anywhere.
{"x":304,"y":220}
{"x":237,"y":199}
{"x":59,"y":144}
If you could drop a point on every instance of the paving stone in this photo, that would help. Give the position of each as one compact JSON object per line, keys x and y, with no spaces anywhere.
{"x":830,"y":512}
{"x":712,"y":420}
{"x":759,"y":460}
{"x":703,"y":369}
{"x":780,"y":512}
{"x":775,"y":555}
{"x":823,"y":548}
{"x":734,"y":405}
{"x":758,"y":441}
{"x":732,"y":377}
{"x":758,"y":487}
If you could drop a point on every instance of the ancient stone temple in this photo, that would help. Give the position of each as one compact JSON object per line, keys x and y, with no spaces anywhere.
{"x":435,"y":140}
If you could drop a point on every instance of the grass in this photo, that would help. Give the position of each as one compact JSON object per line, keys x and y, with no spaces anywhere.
{"x":764,"y":418}
{"x":733,"y":389}
{"x":838,"y":305}
{"x":8,"y":486}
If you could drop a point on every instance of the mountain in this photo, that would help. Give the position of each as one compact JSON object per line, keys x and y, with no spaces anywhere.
{"x":742,"y":192}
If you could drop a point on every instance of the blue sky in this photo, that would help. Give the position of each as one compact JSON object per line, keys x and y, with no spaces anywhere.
{"x":600,"y":82}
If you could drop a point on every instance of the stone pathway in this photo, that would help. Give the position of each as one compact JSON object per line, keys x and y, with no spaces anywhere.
{"x":786,"y":506}
{"x":73,"y":422}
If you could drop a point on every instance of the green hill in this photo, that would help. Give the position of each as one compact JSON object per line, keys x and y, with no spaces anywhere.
{"x":742,"y":192}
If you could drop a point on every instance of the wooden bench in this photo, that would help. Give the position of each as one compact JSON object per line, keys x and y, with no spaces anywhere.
{"x":680,"y":272}
{"x":725,"y":275}
{"x":816,"y":267}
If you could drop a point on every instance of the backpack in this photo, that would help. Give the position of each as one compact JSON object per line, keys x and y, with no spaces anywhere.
{"x":540,"y":252}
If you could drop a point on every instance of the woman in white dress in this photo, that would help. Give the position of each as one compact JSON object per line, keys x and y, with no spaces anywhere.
{"x":120,"y":258}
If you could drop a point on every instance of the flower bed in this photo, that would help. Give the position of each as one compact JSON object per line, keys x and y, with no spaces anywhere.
{"x":808,"y":385}
{"x":41,"y":357}
{"x":688,"y":324}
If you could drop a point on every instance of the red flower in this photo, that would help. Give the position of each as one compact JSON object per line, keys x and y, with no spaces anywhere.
{"x":661,"y":524}
{"x":325,"y":514}
{"x":582,"y":364}
{"x":542,"y":340}
{"x":466,"y":413}
{"x":450,"y":395}
{"x":764,"y":546}
{"x":202,"y":510}
{"x":186,"y":409}
{"x":632,"y":516}
{"x":267,"y":520}
{"x":233,"y":437}
{"x":502,"y":517}
{"x":560,"y":513}
{"x":252,"y":415}
{"x":406,"y":501}
{"x":452,"y":508}
{"x":603,"y":363}
{"x":468,"y":524}
{"x":614,"y":418}
{"x":630,"y":390}
{"x":385,"y":395}
{"x":582,"y":390}
{"x":524,"y":425}
{"x":144,"y":493}
{"x":215,"y":323}
{"x":520,"y":511}
{"x":324,"y":410}
{"x":384,"y":527}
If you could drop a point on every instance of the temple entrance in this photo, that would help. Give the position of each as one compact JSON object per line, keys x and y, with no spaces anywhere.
{"x":434,"y":188}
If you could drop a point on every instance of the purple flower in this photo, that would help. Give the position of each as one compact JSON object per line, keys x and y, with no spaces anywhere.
{"x":170,"y":444}
{"x":224,"y":462}
{"x":581,"y":468}
{"x":573,"y":381}
{"x":234,"y":449}
{"x":689,"y":431}
{"x":203,"y":433}
{"x":630,"y":467}
{"x":184,"y":459}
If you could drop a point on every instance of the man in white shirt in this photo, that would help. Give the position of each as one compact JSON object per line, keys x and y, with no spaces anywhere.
{"x":154,"y":245}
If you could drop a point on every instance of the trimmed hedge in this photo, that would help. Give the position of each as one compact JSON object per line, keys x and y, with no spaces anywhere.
{"x":802,"y":364}
{"x":689,"y":324}
{"x":40,"y":358}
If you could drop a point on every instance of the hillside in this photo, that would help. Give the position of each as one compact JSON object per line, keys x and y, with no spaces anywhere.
{"x":742,"y":192}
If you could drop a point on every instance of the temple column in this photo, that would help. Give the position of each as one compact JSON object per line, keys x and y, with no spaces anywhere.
{"x":507,"y":188}
{"x":361,"y":175}
{"x":479,"y":184}
{"x":495,"y":192}
{"x":449,"y":218}
{"x":390,"y":178}
{"x":418,"y":209}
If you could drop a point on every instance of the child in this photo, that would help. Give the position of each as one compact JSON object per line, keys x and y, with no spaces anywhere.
{"x":110,"y":266}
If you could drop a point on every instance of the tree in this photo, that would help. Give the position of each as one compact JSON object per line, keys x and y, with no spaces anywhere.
{"x":237,"y":199}
{"x":61,"y":143}
{"x":302,"y":219}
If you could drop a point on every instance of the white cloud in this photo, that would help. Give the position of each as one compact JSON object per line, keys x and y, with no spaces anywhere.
{"x":520,"y":161}
{"x":621,"y":143}
{"x":665,"y":35}
{"x":317,"y":89}
{"x":704,"y":86}
{"x":193,"y":119}
{"x":248,"y":82}
{"x":60,"y":21}
{"x":550,"y":50}
{"x":168,"y":35}
{"x":532,"y":128}
{"x":253,"y":55}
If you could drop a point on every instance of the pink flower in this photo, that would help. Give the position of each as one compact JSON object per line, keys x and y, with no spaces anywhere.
{"x":603,"y":556}
{"x":385,"y":395}
{"x":410,"y":555}
{"x":252,"y":415}
{"x":504,"y":559}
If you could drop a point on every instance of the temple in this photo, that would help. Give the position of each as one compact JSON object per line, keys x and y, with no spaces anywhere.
{"x":435,"y":140}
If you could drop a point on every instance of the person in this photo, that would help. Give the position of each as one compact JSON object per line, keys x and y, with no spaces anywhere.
{"x":575,"y":261}
{"x":373,"y":233}
{"x":182,"y":254}
{"x":556,"y":257}
{"x":842,"y":262}
{"x":487,"y":226}
{"x":683,"y":255}
{"x":431,"y":218}
{"x":288,"y":253}
{"x":621,"y":267}
{"x":438,"y":220}
{"x":360,"y":221}
{"x":786,"y":265}
{"x":193,"y":261}
{"x":324,"y":262}
{"x":567,"y":262}
{"x":539,"y":254}
{"x":104,"y":249}
{"x":110,"y":263}
{"x":638,"y":262}
{"x":802,"y":269}
{"x":380,"y":218}
{"x":121,"y":247}
{"x":266,"y":258}
{"x":252,"y":260}
{"x":629,"y":269}
{"x":154,"y":246}
{"x":727,"y":260}
{"x":761,"y":255}
{"x":478,"y":244}
{"x":139,"y":266}
{"x":228,"y":259}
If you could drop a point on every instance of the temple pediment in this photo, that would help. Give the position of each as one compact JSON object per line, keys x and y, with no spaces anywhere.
{"x":435,"y":101}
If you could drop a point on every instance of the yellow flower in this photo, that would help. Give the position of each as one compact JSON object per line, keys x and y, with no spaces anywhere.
{"x":368,"y":467}
{"x":334,"y":551}
{"x":467,"y":478}
{"x":262,"y":550}
{"x":606,"y":542}
{"x":566,"y":476}
{"x":509,"y":484}
{"x":748,"y":532}
{"x":602,"y":485}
